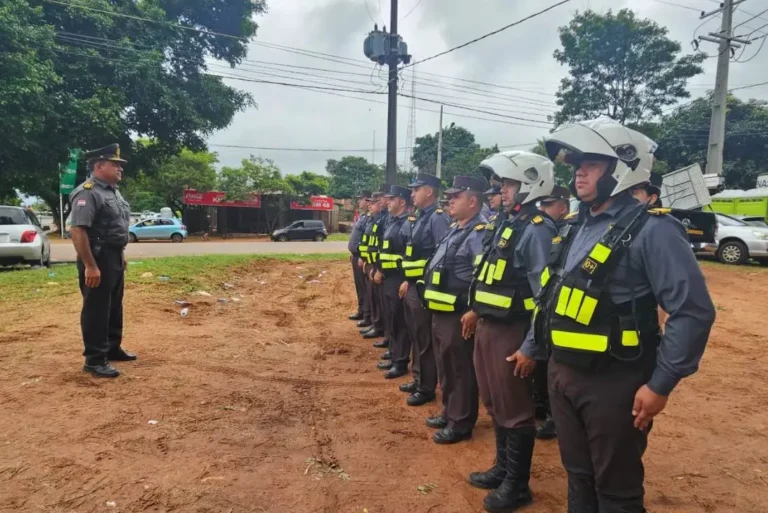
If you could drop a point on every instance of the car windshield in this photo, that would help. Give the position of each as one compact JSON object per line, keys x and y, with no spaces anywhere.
{"x":729,"y":221}
{"x":756,"y":221}
{"x":12,"y":216}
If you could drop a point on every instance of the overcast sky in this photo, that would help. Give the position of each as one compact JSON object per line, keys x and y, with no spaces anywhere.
{"x":518,"y":59}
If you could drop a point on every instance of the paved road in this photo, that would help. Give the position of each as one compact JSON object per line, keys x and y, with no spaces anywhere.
{"x":66,"y":253}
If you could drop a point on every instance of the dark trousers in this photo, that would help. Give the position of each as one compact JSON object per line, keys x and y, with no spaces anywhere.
{"x":453,"y":355}
{"x":508,"y":398}
{"x":374,"y":296}
{"x":541,"y":389}
{"x":394,"y":322}
{"x":419,"y":322}
{"x":363,"y":305}
{"x":600,"y":447}
{"x":101,"y":319}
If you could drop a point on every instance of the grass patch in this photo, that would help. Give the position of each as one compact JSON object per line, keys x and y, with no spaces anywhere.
{"x":184,"y":274}
{"x":338,"y":237}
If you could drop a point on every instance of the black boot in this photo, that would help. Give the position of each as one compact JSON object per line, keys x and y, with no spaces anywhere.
{"x":582,"y":497}
{"x":357,"y":316}
{"x":101,"y":369}
{"x":547,"y":430}
{"x":493,"y":477}
{"x":513,"y":492}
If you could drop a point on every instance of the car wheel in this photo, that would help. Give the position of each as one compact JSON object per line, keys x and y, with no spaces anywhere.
{"x":732,"y":252}
{"x":177,"y":237}
{"x":132,"y":237}
{"x":282,"y":238}
{"x":319,"y":237}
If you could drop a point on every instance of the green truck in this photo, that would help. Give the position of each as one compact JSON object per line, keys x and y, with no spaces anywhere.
{"x":753,"y":203}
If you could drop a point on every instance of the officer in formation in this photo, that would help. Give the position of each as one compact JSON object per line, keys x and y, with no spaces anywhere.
{"x":363,"y":314}
{"x":100,"y":218}
{"x":423,"y":232}
{"x":502,"y":301}
{"x":493,"y":195}
{"x":369,"y":254}
{"x":611,"y":371}
{"x":389,"y":276}
{"x":649,"y":192}
{"x":446,"y":294}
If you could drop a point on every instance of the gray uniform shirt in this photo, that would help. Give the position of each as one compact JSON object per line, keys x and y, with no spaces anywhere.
{"x":532,"y":251}
{"x":430,"y":235}
{"x":659,"y":261}
{"x":357,"y":233}
{"x":463,"y":264}
{"x":101,"y":209}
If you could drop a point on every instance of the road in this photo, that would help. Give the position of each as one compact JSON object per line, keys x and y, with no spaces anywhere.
{"x":65,"y":252}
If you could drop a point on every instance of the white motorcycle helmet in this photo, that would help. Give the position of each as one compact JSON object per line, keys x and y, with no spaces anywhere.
{"x":535,"y":173}
{"x":629,"y":151}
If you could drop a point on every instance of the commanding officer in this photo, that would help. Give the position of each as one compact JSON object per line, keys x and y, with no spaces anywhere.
{"x":423,"y":233}
{"x":508,"y":278}
{"x":494,"y":198}
{"x":100,"y":219}
{"x":649,"y":192}
{"x":356,"y":239}
{"x":371,"y":246}
{"x":389,"y":274}
{"x":610,"y":371}
{"x":557,"y":207}
{"x":446,"y":294}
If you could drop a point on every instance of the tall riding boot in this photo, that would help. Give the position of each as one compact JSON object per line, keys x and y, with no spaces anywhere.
{"x":493,"y":477}
{"x":513,"y":492}
{"x":582,"y":497}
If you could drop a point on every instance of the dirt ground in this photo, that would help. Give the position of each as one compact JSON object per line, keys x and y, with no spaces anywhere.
{"x":272,"y":405}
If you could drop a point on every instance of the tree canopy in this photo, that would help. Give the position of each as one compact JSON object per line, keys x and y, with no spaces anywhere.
{"x":620,"y":66}
{"x":308,"y":183}
{"x":350,"y":175}
{"x":254,"y":176}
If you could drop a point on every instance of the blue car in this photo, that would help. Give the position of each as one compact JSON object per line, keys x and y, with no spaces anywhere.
{"x":158,"y":229}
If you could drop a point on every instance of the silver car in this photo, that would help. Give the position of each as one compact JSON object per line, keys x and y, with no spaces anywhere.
{"x":22,"y":239}
{"x":737,"y":241}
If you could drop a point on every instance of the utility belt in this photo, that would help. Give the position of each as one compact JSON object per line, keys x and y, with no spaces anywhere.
{"x":444,"y":293}
{"x":99,"y":246}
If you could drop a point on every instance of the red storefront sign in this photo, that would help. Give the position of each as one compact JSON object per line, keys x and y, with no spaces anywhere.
{"x":315,"y":203}
{"x":218,"y":199}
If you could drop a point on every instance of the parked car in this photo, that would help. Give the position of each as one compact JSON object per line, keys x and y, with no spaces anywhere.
{"x":158,"y":229}
{"x":753,"y":220}
{"x":738,"y":241}
{"x":22,"y":239}
{"x":301,"y":230}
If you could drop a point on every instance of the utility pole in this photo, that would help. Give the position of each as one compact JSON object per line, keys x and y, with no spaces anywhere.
{"x":439,"y":168}
{"x":726,"y":42}
{"x":393,"y":61}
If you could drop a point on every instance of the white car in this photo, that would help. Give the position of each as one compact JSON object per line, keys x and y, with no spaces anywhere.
{"x":738,"y":241}
{"x":22,"y":239}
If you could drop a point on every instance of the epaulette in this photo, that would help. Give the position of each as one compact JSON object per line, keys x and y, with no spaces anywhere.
{"x":480,"y":226}
{"x":659,"y":211}
{"x":537,"y":220}
{"x":493,"y":218}
{"x":490,"y":226}
{"x":557,"y":240}
{"x":452,"y":225}
{"x":412,"y":218}
{"x":439,"y":210}
{"x":88,"y":185}
{"x":571,"y":215}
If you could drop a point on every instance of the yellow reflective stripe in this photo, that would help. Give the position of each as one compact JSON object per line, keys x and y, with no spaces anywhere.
{"x":529,"y":303}
{"x":409,"y":250}
{"x":478,"y":259}
{"x":600,"y":253}
{"x":411,"y":264}
{"x":362,"y":248}
{"x":390,"y":256}
{"x":545,"y":276}
{"x":436,"y":277}
{"x":440,"y":296}
{"x":386,"y":245}
{"x":489,"y":278}
{"x":389,"y":265}
{"x":483,"y":271}
{"x":439,"y":307}
{"x":574,"y":303}
{"x":583,"y":341}
{"x":629,"y":339}
{"x":375,"y":228}
{"x":501,"y":265}
{"x":493,"y":299}
{"x":414,"y":273}
{"x":562,"y":301}
{"x":587,"y":310}
{"x":507,"y":233}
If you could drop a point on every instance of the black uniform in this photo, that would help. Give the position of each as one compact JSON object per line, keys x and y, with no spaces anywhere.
{"x":102,"y":211}
{"x":368,"y":250}
{"x":355,"y":240}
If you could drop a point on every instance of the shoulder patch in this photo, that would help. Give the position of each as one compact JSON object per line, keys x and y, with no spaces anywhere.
{"x":537,"y":220}
{"x":439,"y":210}
{"x":88,"y":185}
{"x":659,"y":211}
{"x":480,"y":227}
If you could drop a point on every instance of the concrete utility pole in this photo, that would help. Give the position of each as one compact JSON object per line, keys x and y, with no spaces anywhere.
{"x":439,"y":168}
{"x":393,"y":59}
{"x":725,"y":41}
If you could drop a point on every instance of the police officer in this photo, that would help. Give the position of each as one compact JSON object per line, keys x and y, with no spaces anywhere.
{"x":370,"y":250}
{"x":363,"y":314}
{"x":557,"y":207}
{"x":447,"y":279}
{"x":493,"y":195}
{"x":649,"y":192}
{"x":507,"y":280}
{"x":423,"y":232}
{"x":100,"y":218}
{"x":611,"y":372}
{"x":389,"y":275}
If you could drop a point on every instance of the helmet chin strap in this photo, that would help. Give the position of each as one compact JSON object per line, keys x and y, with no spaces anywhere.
{"x":605,"y":186}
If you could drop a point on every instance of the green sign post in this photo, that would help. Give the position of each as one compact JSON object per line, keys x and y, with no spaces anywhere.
{"x":68,"y":174}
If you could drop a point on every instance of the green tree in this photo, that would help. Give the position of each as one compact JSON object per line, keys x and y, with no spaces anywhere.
{"x":255,"y":176}
{"x":100,"y":75}
{"x":309,"y":183}
{"x":620,"y":66}
{"x":350,"y":175}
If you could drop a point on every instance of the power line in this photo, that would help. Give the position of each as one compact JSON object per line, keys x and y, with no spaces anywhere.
{"x":369,"y":11}
{"x":418,"y":3}
{"x":336,"y":150}
{"x":678,"y":5}
{"x":752,"y":18}
{"x":749,"y":86}
{"x":547,"y":124}
{"x":518,"y":22}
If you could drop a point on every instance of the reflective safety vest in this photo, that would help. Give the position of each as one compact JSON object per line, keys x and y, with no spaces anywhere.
{"x":578,"y":318}
{"x":416,"y":254}
{"x":501,"y":292}
{"x":391,"y":249}
{"x":369,"y":250}
{"x":443,"y":292}
{"x":362,"y":248}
